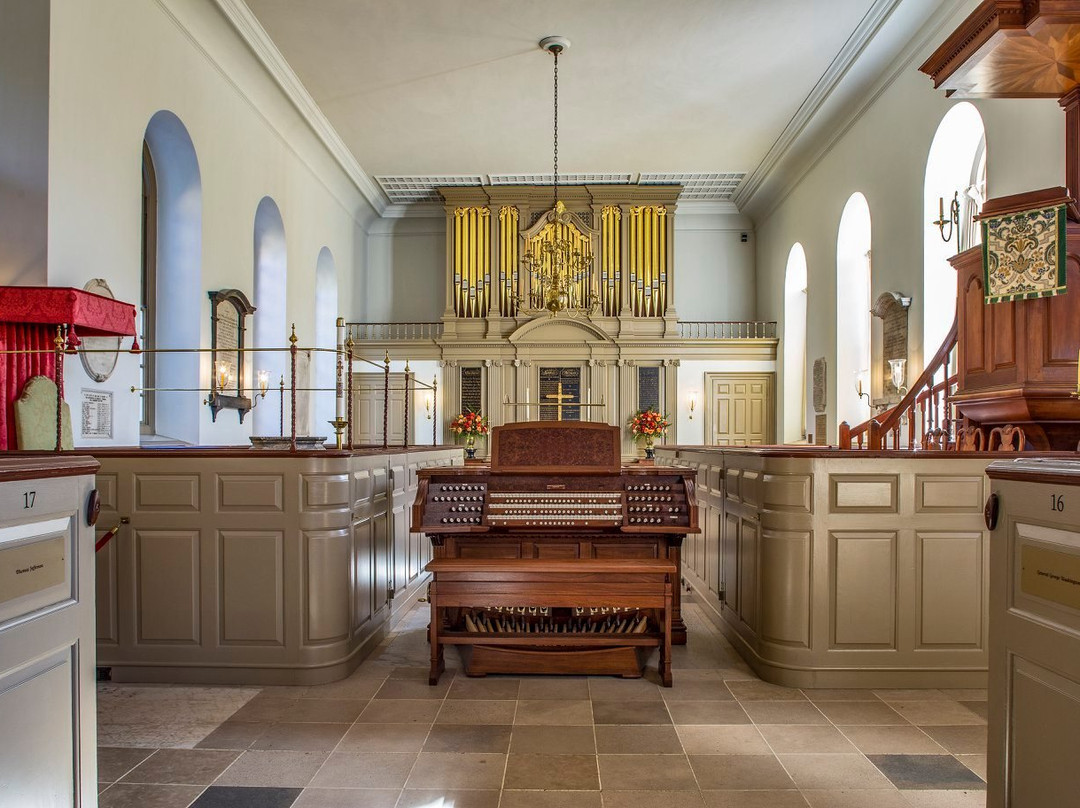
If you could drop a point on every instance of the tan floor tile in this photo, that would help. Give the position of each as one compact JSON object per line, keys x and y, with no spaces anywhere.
{"x":272,"y":769}
{"x":238,"y":735}
{"x":115,"y":762}
{"x":651,"y":772}
{"x":977,"y":763}
{"x":364,"y":770}
{"x":937,"y":713}
{"x":457,"y":798}
{"x":722,"y":740}
{"x":440,"y":770}
{"x":653,"y":799}
{"x":945,"y":799}
{"x":486,"y":688}
{"x":855,"y":798}
{"x":784,"y":712}
{"x":739,"y":772}
{"x":756,"y":690}
{"x":477,"y":712}
{"x":860,"y":713}
{"x":911,"y":694}
{"x":704,"y":690}
{"x":348,"y":798}
{"x":544,"y":740}
{"x":397,"y":711}
{"x":565,"y":688}
{"x":137,"y":795}
{"x":966,"y":694}
{"x":468,"y":738}
{"x":326,"y":711}
{"x":550,"y":799}
{"x":966,"y":740}
{"x":302,"y":737}
{"x":795,"y":738}
{"x":894,"y":740}
{"x":355,"y":687}
{"x":614,"y":739}
{"x":753,"y":799}
{"x":604,"y":688}
{"x":707,"y":712}
{"x":263,"y":708}
{"x":562,"y":772}
{"x":834,"y":694}
{"x":834,"y":772}
{"x":574,"y":713}
{"x":410,"y":689}
{"x":630,"y":712}
{"x":385,"y":738}
{"x":194,"y":767}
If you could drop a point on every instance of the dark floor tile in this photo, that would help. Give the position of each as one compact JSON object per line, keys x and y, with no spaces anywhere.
{"x":980,"y":708}
{"x":114,"y":761}
{"x":468,"y":738}
{"x":528,"y":740}
{"x":234,"y":735}
{"x":324,"y":711}
{"x":707,"y":712}
{"x":630,"y":712}
{"x":637,"y":740}
{"x":936,"y":772}
{"x":246,"y":797}
{"x":263,"y":708}
{"x":195,"y":767}
{"x":570,"y":772}
{"x":138,"y":795}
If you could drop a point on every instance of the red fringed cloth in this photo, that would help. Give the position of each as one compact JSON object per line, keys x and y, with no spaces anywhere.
{"x":29,"y":316}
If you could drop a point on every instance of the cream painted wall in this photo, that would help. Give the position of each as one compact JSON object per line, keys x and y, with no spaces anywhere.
{"x":691,"y":431}
{"x":714,"y":270}
{"x":883,"y":155}
{"x":406,"y":280}
{"x":114,"y":64}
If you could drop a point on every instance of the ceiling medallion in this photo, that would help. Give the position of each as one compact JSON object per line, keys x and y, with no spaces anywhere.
{"x":558,"y":256}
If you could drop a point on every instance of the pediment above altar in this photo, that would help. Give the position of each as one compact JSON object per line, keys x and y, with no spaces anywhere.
{"x":558,"y":329}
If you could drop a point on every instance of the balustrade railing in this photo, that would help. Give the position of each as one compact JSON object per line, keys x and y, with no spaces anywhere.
{"x":393,"y":331}
{"x":925,"y":415}
{"x":727,"y":329}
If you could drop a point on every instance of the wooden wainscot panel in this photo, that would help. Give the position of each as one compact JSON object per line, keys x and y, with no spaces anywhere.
{"x":949,"y":589}
{"x":380,"y":531}
{"x":948,"y":494}
{"x":1044,"y":715}
{"x":251,"y":608}
{"x":785,"y":587}
{"x":751,"y":487}
{"x":167,"y":492}
{"x":364,"y":563}
{"x":788,"y":492}
{"x":863,"y":590}
{"x":713,"y":526}
{"x":716,"y":475}
{"x":167,"y":586}
{"x":380,"y":483}
{"x":106,"y":486}
{"x":250,"y":492}
{"x":1061,"y":330}
{"x":729,"y":558}
{"x":863,"y":493}
{"x":106,"y":613}
{"x":326,"y":562}
{"x":972,"y":340}
{"x":364,"y":483}
{"x":731,"y":484}
{"x":748,"y":573}
{"x":1003,"y":337}
{"x":323,"y":491}
{"x":398,"y":477}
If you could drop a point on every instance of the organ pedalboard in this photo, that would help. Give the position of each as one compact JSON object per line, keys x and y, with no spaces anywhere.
{"x":658,"y":503}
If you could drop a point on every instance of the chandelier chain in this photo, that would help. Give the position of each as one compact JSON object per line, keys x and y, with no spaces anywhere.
{"x":556,"y":184}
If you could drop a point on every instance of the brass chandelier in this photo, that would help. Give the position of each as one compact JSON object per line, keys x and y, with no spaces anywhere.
{"x":559,"y":266}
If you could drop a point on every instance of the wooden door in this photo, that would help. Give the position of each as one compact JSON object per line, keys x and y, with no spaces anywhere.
{"x":740,"y":409}
{"x":368,"y":394}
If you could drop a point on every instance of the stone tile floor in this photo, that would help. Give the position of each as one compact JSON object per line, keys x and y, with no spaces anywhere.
{"x":720,"y":738}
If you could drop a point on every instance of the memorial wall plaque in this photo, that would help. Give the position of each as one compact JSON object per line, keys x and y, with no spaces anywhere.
{"x":559,"y":389}
{"x":228,"y":310}
{"x":472,"y":389}
{"x":97,"y":414}
{"x":1052,"y":575}
{"x":820,"y":380}
{"x":648,"y":388}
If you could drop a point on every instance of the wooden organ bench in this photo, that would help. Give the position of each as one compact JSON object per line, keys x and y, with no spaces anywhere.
{"x":530,"y":615}
{"x":578,"y":551}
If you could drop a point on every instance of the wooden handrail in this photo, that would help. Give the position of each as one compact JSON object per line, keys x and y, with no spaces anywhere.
{"x":921,"y":391}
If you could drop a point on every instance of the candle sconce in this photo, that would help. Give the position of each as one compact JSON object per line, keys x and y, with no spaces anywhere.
{"x":898,"y":369}
{"x":229,"y":309}
{"x":859,"y":385}
{"x":953,"y":221}
{"x":691,"y":400}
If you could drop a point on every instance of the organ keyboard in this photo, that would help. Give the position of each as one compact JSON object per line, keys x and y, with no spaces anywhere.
{"x":557,"y":491}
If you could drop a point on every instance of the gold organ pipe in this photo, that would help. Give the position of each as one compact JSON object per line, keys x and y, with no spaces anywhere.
{"x":661,"y":300}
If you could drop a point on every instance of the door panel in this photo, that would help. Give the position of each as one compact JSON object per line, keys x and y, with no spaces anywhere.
{"x":742,"y":410}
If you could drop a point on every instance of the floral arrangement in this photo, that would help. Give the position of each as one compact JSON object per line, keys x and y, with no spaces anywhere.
{"x":470,"y":424}
{"x":648,"y":424}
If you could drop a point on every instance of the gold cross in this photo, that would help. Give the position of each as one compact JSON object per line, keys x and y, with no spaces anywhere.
{"x":560,"y":397}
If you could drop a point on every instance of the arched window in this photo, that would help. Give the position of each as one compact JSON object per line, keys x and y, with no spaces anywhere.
{"x":853,"y":349}
{"x":326,"y":313}
{"x":172,"y":276}
{"x":795,"y":346}
{"x":956,"y":164}
{"x":270,"y":298}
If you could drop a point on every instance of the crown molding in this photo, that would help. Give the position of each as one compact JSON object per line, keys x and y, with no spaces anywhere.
{"x":849,"y":54}
{"x":707,"y":206}
{"x":250,"y":30}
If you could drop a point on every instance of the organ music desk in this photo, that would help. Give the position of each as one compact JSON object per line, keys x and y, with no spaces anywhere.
{"x":557,"y":491}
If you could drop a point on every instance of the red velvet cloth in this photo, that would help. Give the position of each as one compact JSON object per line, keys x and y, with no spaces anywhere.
{"x":17,"y":368}
{"x":28,"y":319}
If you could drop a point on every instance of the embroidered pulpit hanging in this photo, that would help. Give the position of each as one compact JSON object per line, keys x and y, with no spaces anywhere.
{"x":1024,"y":254}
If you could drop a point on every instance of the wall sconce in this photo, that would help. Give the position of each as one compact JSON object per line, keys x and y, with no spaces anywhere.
{"x":427,"y":405}
{"x":859,"y":384}
{"x":224,"y":376}
{"x":898,"y":369}
{"x":263,"y":377}
{"x":691,"y":402}
{"x":953,"y":221}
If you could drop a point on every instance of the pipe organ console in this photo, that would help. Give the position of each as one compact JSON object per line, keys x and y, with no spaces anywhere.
{"x":555,"y":491}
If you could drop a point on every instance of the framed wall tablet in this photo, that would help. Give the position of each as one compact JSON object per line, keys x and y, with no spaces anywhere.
{"x":229,"y":309}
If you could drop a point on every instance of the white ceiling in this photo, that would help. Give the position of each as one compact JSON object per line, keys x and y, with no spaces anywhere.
{"x":460,"y":87}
